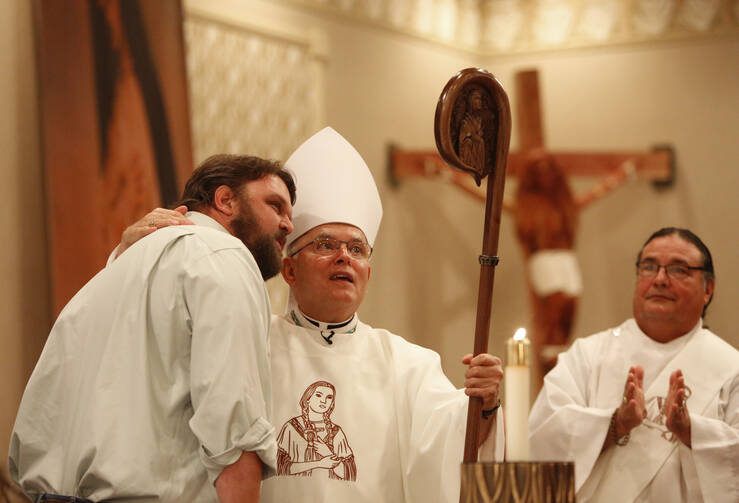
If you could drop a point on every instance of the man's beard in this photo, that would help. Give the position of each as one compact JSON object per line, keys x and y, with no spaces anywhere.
{"x":261,"y":245}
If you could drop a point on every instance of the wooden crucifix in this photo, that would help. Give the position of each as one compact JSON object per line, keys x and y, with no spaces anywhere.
{"x":545,"y":210}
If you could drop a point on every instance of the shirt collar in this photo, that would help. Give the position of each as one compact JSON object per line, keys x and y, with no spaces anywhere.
{"x":204,"y":220}
{"x":635,"y":327}
{"x":327,"y":330}
{"x":344,"y":327}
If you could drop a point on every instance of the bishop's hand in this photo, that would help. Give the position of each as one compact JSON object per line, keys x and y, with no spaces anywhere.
{"x":483,"y":378}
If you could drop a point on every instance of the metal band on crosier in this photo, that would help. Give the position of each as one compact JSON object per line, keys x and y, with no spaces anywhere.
{"x":489,"y":260}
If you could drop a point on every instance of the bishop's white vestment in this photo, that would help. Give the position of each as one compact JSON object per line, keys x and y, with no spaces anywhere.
{"x":396,"y":424}
{"x":155,"y":375}
{"x":571,"y":416}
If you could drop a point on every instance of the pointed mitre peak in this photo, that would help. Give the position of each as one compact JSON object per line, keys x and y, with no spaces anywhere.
{"x":334,"y":185}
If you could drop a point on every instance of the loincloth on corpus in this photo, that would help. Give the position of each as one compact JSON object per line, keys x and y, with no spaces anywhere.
{"x":552,"y":271}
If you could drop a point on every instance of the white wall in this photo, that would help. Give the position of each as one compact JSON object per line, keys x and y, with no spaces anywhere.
{"x":24,"y":303}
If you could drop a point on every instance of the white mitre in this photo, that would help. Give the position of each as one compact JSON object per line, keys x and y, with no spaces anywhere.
{"x":334,"y":185}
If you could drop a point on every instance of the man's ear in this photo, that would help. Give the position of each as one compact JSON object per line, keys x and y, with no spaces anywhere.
{"x":288,"y":270}
{"x":708,"y":293}
{"x":225,"y":201}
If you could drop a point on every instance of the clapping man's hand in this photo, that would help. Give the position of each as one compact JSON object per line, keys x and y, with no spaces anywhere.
{"x":675,"y":410}
{"x":632,"y":410}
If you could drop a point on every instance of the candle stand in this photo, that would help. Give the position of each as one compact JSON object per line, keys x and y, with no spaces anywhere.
{"x":518,"y":482}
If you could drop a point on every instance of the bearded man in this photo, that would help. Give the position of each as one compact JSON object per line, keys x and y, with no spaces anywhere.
{"x":154,"y":383}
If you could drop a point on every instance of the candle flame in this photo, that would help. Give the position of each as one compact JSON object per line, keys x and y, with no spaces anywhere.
{"x":520,"y":334}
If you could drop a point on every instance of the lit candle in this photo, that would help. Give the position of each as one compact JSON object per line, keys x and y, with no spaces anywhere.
{"x":516,"y":408}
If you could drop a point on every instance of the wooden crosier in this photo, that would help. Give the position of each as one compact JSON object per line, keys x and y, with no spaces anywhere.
{"x":472,"y":129}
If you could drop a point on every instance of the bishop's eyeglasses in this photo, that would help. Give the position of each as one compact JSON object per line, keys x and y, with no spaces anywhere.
{"x":328,"y":246}
{"x":649,"y":269}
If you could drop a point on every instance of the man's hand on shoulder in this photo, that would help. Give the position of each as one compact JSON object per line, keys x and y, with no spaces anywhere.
{"x":156,"y":219}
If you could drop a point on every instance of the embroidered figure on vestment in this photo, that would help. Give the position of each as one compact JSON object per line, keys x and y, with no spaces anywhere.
{"x":311,"y":443}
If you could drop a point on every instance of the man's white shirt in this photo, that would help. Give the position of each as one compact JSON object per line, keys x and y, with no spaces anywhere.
{"x":155,"y":376}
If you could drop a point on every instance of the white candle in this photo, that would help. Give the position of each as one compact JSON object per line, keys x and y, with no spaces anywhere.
{"x":516,"y":379}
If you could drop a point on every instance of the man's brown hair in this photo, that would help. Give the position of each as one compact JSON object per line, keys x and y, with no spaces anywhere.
{"x":232,"y":171}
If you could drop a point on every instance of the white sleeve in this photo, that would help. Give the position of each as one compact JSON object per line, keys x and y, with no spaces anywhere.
{"x":715,"y":446}
{"x":436,"y":420}
{"x":113,"y":255}
{"x":493,"y":448}
{"x":230,"y":384}
{"x":562,"y":425}
{"x":435,"y":414}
